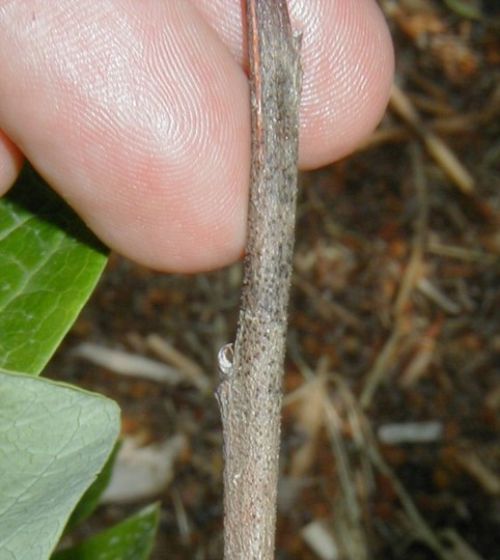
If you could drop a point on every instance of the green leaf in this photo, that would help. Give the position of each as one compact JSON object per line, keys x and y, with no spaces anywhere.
{"x":131,"y":539}
{"x":90,"y":500}
{"x":49,"y":265}
{"x":54,"y":440}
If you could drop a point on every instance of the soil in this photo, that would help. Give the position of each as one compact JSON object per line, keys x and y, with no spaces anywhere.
{"x":393,"y":320}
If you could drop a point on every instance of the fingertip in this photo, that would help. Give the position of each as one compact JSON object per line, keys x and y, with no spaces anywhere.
{"x":143,"y":125}
{"x":11,"y":161}
{"x":349,"y":58}
{"x":140,"y":121}
{"x":348,"y":64}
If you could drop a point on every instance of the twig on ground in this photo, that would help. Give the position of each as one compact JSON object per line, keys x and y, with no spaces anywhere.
{"x":442,"y":154}
{"x":181,"y":516}
{"x":327,"y":308}
{"x":418,"y":524}
{"x":413,"y":273}
{"x":414,"y":268}
{"x":447,"y":125}
{"x":472,"y":464}
{"x":461,"y":253}
{"x":432,"y":292}
{"x":420,"y":528}
{"x":459,"y":549}
{"x":348,"y":522}
{"x":382,"y":365}
{"x":349,"y":515}
{"x":422,"y":357}
{"x":185,"y":365}
{"x":125,"y":363}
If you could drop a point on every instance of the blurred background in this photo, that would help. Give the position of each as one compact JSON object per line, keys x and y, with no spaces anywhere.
{"x":392,"y":387}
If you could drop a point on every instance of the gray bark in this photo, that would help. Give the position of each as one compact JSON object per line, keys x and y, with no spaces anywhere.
{"x":250,"y":392}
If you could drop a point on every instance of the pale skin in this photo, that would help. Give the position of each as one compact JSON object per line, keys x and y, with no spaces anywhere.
{"x":137,"y":112}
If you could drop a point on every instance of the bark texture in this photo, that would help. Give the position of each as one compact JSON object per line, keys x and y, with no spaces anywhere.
{"x":250,"y":392}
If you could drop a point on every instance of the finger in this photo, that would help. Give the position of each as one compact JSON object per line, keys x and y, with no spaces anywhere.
{"x":347,"y":61}
{"x":11,"y":161}
{"x":138,"y":114}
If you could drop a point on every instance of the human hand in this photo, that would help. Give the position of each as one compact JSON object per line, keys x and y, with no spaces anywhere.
{"x":137,"y":113}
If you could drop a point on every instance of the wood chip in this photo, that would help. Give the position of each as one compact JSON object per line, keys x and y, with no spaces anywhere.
{"x":320,"y":540}
{"x":143,"y":472}
{"x":410,"y":432}
{"x":309,"y":419}
{"x":125,"y":363}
